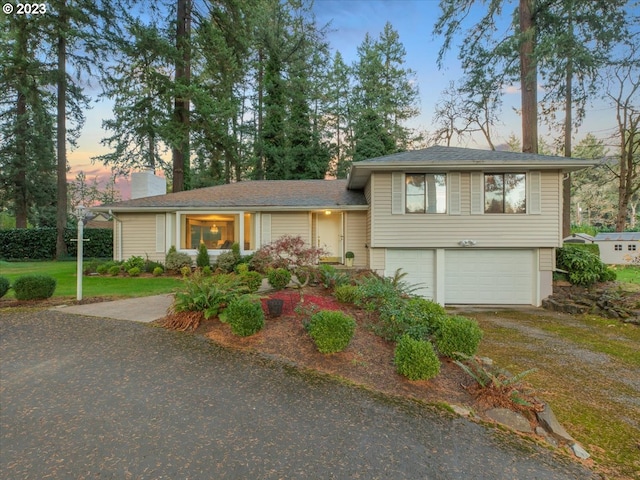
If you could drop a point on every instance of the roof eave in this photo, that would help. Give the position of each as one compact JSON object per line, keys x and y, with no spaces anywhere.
{"x":213,"y":208}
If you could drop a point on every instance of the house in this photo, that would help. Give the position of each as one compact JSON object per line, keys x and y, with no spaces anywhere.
{"x":619,"y":248}
{"x":469,"y":226}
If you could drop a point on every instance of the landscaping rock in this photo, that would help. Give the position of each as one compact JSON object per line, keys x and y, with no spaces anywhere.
{"x":547,"y":438}
{"x":605,"y":300}
{"x":511,"y":419}
{"x":579,"y":451}
{"x":462,"y":411}
{"x":549,"y":421}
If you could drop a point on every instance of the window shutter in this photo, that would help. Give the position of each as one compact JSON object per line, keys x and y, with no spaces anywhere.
{"x":397,"y":193}
{"x":477,"y":193}
{"x":535,"y":193}
{"x":453,"y":185}
{"x":266,"y":229}
{"x":160,"y":233}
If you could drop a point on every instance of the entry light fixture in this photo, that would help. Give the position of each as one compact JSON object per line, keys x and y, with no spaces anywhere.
{"x":467,"y":243}
{"x":214,"y":228}
{"x":327,"y":212}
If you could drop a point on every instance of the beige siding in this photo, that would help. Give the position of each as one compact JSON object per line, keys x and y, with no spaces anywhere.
{"x":290,"y":223}
{"x":488,"y":230}
{"x":356,"y":236}
{"x":547,"y":260}
{"x":139,"y":236}
{"x":377,"y":260}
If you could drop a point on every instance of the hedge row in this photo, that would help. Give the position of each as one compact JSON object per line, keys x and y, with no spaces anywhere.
{"x":40,"y":243}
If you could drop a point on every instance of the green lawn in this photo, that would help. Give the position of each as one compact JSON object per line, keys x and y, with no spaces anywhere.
{"x":628,"y":274}
{"x":92,"y":286}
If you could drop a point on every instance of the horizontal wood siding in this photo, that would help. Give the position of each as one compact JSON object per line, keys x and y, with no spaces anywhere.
{"x":547,"y":260}
{"x":139,"y":236}
{"x":356,"y":236}
{"x":488,"y":230}
{"x":377,"y":260}
{"x":290,"y":223}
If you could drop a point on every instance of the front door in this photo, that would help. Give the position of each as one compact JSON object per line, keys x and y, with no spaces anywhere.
{"x":329,"y":235}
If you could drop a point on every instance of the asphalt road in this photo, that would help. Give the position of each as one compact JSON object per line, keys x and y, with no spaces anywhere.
{"x":87,"y":398}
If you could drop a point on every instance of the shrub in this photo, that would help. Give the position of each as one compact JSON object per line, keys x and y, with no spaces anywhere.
{"x":102,"y":269}
{"x":346,"y":293}
{"x":157,"y":271}
{"x":34,"y":287}
{"x":209,"y":295}
{"x":423,"y":315}
{"x":286,"y":252}
{"x":253,"y":280}
{"x":134,"y":272}
{"x":330,"y":330}
{"x":40,"y":243}
{"x":133,"y":262}
{"x":584,"y":267}
{"x":4,"y":286}
{"x":245,"y":316}
{"x":416,"y":359}
{"x":226,"y":262}
{"x":114,"y":270}
{"x":279,"y":278}
{"x":150,"y":266}
{"x":457,"y":334}
{"x":330,"y":277}
{"x":202,"y":259}
{"x":91,"y":266}
{"x":175,"y":260}
{"x":206,"y":271}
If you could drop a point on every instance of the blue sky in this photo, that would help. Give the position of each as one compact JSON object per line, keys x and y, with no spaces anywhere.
{"x":350,"y":21}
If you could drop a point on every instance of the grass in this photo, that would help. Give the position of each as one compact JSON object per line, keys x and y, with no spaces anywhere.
{"x":92,"y":286}
{"x":628,"y":274}
{"x":589,"y":372}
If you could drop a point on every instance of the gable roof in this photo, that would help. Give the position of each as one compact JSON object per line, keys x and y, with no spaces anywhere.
{"x":257,"y":195}
{"x":618,"y":237}
{"x":457,"y":158}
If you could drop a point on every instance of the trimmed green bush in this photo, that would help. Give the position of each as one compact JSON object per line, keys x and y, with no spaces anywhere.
{"x":245,"y":316}
{"x":34,"y":287}
{"x":330,"y":330}
{"x":40,"y":243}
{"x":150,"y":266}
{"x":134,"y":272}
{"x":175,"y":260}
{"x":4,"y":286}
{"x":226,"y":262}
{"x":457,"y":334}
{"x":346,"y":293}
{"x":416,"y":359}
{"x":114,"y":270}
{"x":279,"y":278}
{"x":253,"y":280}
{"x":203,"y":260}
{"x":133,"y":262}
{"x":157,"y":271}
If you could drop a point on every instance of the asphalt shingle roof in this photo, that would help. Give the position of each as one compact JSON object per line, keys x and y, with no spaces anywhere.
{"x":259,"y":193}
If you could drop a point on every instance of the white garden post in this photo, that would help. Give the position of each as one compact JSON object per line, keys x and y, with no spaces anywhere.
{"x":80,"y":215}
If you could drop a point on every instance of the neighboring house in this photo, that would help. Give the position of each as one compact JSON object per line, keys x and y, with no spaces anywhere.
{"x":619,"y":248}
{"x":578,"y":238}
{"x":469,"y":226}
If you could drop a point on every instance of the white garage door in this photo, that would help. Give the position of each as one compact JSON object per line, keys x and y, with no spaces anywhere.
{"x":419,"y":267}
{"x":489,"y":277}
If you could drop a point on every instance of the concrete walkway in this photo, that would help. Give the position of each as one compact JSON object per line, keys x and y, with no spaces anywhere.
{"x":139,"y":309}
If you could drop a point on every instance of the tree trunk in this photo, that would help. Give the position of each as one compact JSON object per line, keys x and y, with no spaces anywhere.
{"x":566,"y":182}
{"x":21,"y":141}
{"x":61,"y":212}
{"x":528,"y":77}
{"x":180,"y":152}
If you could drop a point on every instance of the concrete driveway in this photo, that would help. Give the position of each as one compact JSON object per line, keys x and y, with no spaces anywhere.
{"x":88,"y":398}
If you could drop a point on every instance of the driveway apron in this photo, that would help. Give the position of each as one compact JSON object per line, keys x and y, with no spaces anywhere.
{"x":86,"y":398}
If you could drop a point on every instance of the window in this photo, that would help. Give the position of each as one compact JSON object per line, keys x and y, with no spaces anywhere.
{"x":631,"y":248}
{"x":216,"y":231}
{"x":617,"y":248}
{"x":504,"y":193}
{"x":426,"y":193}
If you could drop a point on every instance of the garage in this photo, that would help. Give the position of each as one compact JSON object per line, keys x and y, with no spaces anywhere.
{"x":477,"y":276}
{"x":419,"y":265}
